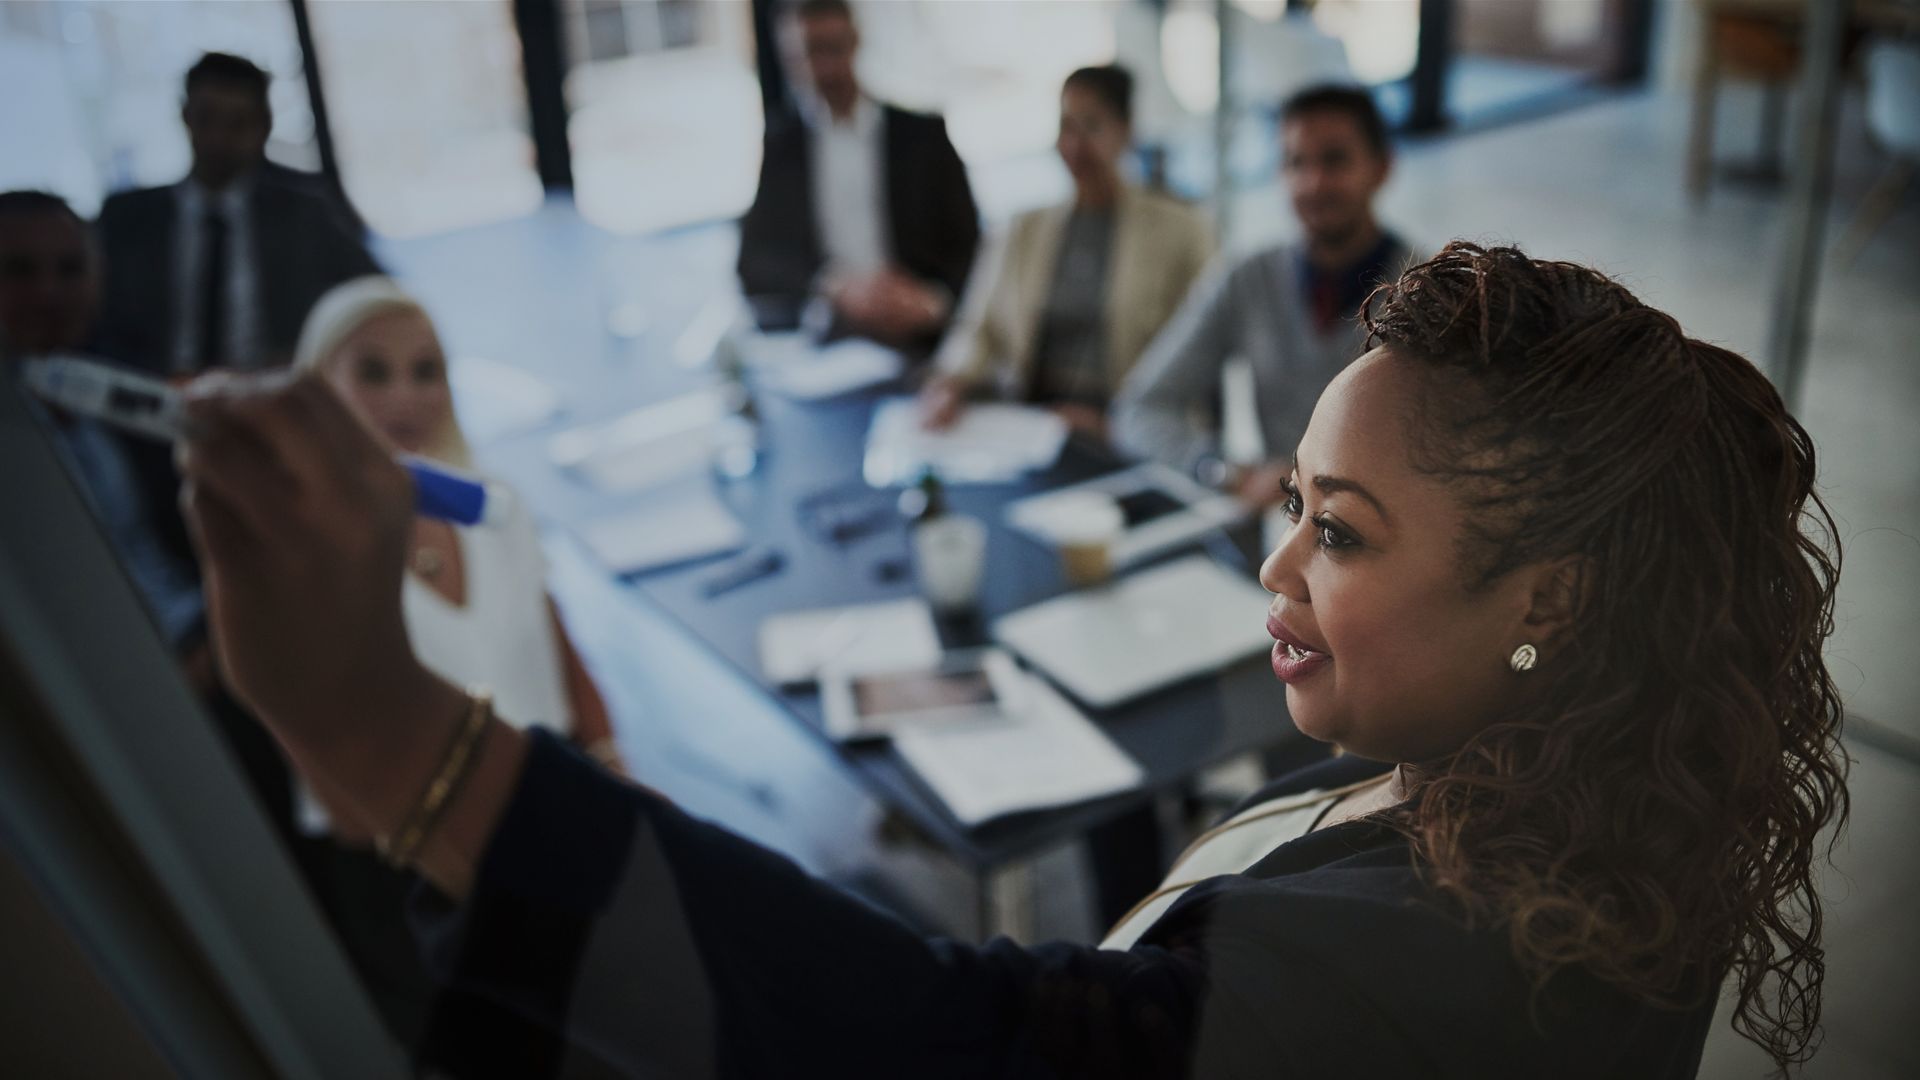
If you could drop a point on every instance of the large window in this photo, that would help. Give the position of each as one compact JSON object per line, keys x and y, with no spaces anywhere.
{"x":994,"y":69}
{"x":665,"y":117}
{"x":1500,"y":57}
{"x":428,"y":109}
{"x":1382,"y":36}
{"x":1516,"y":51}
{"x":93,"y":89}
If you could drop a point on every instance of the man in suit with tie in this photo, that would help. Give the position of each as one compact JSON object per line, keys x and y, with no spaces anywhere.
{"x":863,"y":212}
{"x":219,"y":269}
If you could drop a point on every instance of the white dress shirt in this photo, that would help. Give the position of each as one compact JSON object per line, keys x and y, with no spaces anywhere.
{"x":849,"y":188}
{"x":242,"y":317}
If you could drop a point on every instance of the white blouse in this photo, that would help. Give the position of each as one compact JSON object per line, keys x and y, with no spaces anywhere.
{"x":1230,"y":847}
{"x":501,"y":638}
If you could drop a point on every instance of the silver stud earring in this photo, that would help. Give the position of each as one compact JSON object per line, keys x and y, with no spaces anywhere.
{"x":1523,"y":658}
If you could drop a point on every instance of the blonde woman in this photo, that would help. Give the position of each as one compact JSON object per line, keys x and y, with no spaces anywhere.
{"x":475,"y":599}
{"x":476,"y":609}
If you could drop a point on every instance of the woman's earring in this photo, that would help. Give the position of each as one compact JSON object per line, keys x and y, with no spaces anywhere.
{"x":1523,"y":658}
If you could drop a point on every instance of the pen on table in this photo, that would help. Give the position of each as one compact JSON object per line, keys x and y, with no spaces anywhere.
{"x":744,"y":571}
{"x":143,"y":405}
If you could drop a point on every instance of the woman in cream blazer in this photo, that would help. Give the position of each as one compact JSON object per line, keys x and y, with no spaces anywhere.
{"x":1069,"y":297}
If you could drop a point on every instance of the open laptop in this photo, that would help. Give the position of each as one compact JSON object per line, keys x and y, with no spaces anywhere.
{"x":1109,"y":645}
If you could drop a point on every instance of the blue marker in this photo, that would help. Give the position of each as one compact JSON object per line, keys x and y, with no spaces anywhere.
{"x":147,"y":406}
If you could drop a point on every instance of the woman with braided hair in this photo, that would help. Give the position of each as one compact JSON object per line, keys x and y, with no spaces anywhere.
{"x":1557,"y":584}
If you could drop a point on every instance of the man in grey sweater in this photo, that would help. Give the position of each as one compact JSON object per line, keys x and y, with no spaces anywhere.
{"x":1290,"y":310}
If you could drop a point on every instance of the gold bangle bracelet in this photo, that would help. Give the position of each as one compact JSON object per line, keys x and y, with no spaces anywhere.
{"x":454,"y":767}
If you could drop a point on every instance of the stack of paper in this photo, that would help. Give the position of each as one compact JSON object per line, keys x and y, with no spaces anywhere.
{"x":1043,"y":753}
{"x":894,"y":635}
{"x":666,"y":532}
{"x":989,"y":444}
{"x":646,"y":447}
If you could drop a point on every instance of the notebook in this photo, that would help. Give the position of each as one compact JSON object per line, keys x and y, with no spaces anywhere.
{"x":1039,"y":752}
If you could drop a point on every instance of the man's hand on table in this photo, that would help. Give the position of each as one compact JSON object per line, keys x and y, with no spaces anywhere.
{"x":887,"y":305}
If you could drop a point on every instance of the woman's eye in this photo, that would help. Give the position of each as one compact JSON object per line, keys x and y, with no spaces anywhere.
{"x":1292,"y":505}
{"x":1331,"y":536}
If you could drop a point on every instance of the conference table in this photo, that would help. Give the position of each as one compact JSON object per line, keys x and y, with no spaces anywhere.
{"x":811,"y":457}
{"x":811,"y":465}
{"x":816,"y":449}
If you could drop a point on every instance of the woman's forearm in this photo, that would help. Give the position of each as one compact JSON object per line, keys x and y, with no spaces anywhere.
{"x":380,"y":779}
{"x":666,"y":941}
{"x":453,"y":850}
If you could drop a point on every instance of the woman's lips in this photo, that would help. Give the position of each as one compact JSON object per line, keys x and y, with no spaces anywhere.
{"x":1293,"y":659}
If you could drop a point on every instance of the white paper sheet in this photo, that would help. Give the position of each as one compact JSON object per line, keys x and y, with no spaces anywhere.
{"x":666,"y":532}
{"x":647,"y":447}
{"x":839,"y":368}
{"x":1042,"y":754}
{"x":990,"y":444}
{"x":893,"y":635}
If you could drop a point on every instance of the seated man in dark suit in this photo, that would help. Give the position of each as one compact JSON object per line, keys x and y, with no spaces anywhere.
{"x":49,"y":294}
{"x":219,"y":269}
{"x":862,"y":206}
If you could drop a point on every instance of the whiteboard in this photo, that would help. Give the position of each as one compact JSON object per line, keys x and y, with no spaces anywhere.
{"x":125,"y":810}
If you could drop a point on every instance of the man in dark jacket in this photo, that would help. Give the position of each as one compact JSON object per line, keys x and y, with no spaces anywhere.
{"x":220,"y":269}
{"x":862,"y":206}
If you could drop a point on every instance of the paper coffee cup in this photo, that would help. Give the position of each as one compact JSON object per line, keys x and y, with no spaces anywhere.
{"x":1084,"y":528}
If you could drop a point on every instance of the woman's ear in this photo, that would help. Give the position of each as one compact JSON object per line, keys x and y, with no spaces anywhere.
{"x":1558,"y":589}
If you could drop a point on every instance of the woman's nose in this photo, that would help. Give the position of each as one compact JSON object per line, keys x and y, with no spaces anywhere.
{"x":1280,"y":573}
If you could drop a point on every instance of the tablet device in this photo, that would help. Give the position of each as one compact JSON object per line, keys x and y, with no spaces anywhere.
{"x":966,"y":685}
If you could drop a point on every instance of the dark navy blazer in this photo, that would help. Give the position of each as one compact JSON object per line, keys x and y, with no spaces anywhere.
{"x":670,"y":947}
{"x":933,"y":227}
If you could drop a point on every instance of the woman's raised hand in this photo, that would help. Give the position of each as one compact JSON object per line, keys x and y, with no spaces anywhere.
{"x":301,"y":516}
